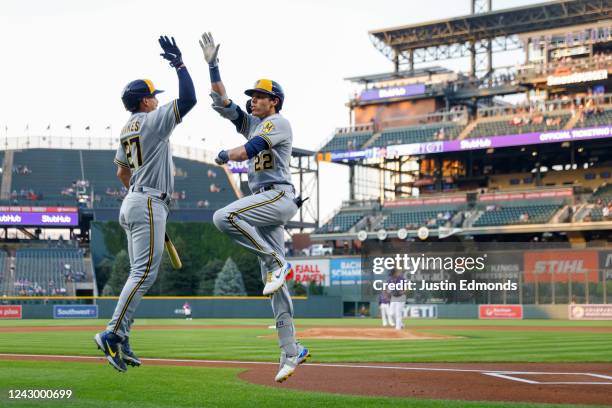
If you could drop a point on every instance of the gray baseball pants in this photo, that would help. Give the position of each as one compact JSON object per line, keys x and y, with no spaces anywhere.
{"x":144,"y":220}
{"x":256,"y":223}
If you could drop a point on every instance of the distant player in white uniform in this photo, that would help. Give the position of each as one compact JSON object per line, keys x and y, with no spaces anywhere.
{"x":145,"y":168}
{"x":187,"y":310}
{"x":256,"y":222}
{"x":383,"y":305}
{"x":398,"y":301}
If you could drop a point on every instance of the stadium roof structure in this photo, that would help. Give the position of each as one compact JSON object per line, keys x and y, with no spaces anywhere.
{"x":399,"y":75}
{"x":459,"y":36}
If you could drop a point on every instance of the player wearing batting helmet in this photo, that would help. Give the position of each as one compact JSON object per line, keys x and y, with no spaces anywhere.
{"x":256,"y":222}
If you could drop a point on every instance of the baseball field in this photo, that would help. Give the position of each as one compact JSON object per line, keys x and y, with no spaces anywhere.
{"x":232,"y":362}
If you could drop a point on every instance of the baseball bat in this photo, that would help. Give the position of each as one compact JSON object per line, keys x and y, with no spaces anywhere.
{"x":174,"y":256}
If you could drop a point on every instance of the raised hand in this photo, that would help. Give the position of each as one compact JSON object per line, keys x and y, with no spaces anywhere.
{"x":171,"y":51}
{"x":209,"y":49}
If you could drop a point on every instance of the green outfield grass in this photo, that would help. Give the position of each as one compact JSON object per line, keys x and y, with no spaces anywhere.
{"x":96,"y":385}
{"x":251,"y":339}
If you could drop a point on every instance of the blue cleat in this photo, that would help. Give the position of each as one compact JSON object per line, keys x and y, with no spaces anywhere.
{"x":128,"y":355}
{"x":109,"y":343}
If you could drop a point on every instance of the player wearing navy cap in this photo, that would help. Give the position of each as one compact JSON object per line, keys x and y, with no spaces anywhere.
{"x":256,"y":222}
{"x":145,"y":168}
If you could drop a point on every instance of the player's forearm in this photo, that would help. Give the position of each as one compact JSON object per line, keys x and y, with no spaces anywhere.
{"x":187,"y":96}
{"x":219,"y":88}
{"x":124,"y":175}
{"x":237,"y":154}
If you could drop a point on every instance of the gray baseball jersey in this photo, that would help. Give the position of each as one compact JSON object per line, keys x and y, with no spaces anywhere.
{"x":269,"y":166}
{"x":145,"y":147}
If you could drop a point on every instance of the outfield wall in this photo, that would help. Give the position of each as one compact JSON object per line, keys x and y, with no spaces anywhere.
{"x":462,"y":311}
{"x":209,"y":307}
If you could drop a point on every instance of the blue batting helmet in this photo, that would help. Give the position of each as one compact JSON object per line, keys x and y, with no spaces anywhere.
{"x":268,"y":87}
{"x":136,"y":90}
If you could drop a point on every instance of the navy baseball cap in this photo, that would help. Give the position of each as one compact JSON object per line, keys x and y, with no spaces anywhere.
{"x":143,"y":87}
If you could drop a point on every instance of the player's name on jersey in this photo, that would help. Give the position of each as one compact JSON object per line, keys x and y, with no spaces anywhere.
{"x":131,"y":127}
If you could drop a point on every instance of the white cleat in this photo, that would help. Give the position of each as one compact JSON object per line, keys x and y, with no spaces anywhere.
{"x":276,"y":279}
{"x":289,"y":364}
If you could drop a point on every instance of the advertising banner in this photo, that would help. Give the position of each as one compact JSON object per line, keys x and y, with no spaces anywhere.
{"x":238,"y":167}
{"x":480,"y":143}
{"x":39,"y":216}
{"x":10,"y":312}
{"x":75,"y":311}
{"x":345,"y":271}
{"x":392,"y":92}
{"x":308,"y":270}
{"x":500,"y":311}
{"x":404,"y":202}
{"x":590,"y":312}
{"x":421,"y":311}
{"x":526,"y":196}
{"x":560,"y":266}
{"x":605,"y":265}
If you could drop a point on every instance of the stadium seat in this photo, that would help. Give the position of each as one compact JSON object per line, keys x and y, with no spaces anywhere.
{"x":412,"y":217}
{"x":347,"y":141}
{"x":40,"y":270}
{"x":509,"y":213}
{"x":52,"y":170}
{"x":504,"y":127}
{"x":417,"y":134}
{"x":341,"y":222}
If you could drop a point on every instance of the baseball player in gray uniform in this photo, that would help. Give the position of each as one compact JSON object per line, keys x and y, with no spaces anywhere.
{"x":145,"y":167}
{"x":256,"y":222}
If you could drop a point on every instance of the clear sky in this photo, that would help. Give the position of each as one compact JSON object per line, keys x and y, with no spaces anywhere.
{"x":66,"y":62}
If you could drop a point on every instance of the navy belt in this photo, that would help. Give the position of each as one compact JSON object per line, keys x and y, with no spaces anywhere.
{"x":268,"y":187}
{"x":152,"y":192}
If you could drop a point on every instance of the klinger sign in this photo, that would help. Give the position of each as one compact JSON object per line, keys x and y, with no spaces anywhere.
{"x":561,"y":266}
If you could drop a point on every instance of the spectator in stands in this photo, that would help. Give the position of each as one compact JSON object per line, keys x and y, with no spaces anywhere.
{"x":211,"y":173}
{"x":214,"y":188}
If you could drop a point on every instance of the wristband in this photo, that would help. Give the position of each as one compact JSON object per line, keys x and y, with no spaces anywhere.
{"x":215,"y":75}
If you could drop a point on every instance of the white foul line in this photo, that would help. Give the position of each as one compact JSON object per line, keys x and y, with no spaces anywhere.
{"x":505,"y":374}
{"x":513,"y":378}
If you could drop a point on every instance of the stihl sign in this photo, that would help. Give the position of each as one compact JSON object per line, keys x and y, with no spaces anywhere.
{"x":561,"y":266}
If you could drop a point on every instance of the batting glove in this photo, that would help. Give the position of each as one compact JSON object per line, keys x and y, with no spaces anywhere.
{"x":222,"y":157}
{"x":171,"y":51}
{"x":209,"y":49}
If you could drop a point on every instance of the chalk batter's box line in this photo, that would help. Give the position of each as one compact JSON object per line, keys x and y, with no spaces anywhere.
{"x":507,"y":376}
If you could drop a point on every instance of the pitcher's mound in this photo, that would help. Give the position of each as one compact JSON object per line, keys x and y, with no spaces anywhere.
{"x":367,"y":333}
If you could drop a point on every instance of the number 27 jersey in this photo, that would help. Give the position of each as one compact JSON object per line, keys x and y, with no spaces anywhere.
{"x":145,"y":147}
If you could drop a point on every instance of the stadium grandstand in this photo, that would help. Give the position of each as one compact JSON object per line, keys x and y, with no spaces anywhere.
{"x":516,"y":151}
